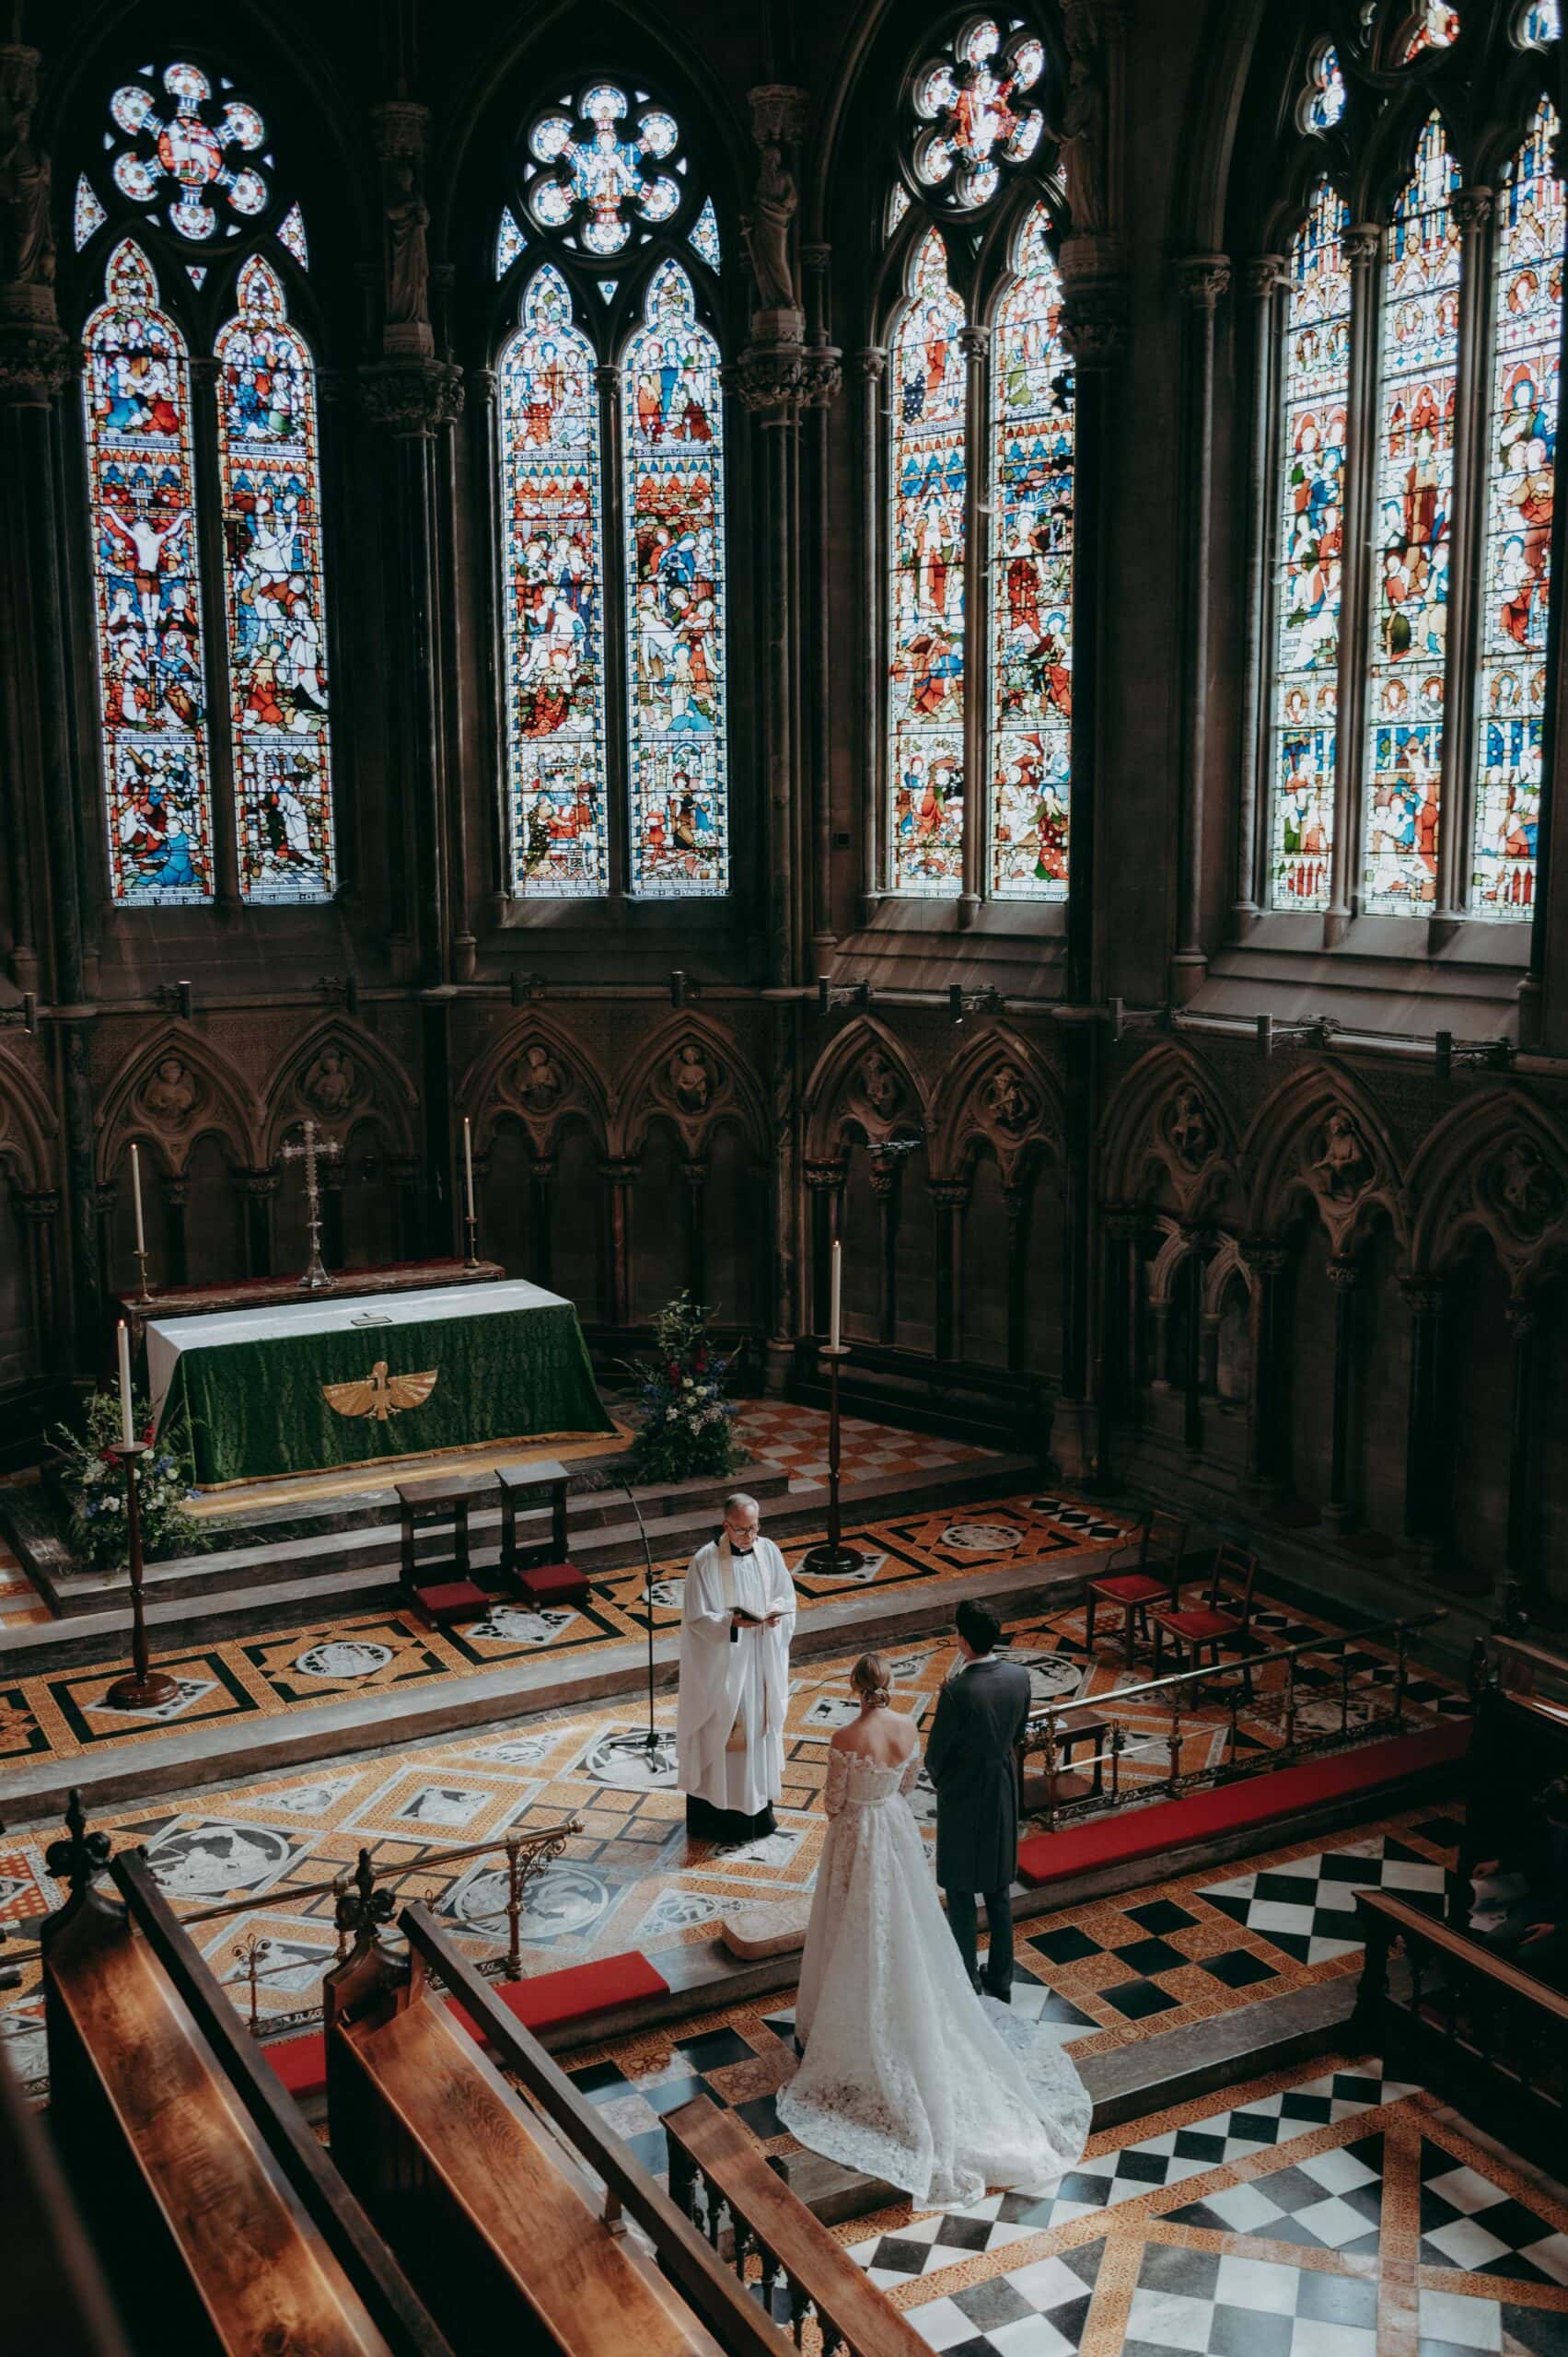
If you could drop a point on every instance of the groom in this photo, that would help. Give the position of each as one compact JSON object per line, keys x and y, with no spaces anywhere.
{"x":971,"y":1762}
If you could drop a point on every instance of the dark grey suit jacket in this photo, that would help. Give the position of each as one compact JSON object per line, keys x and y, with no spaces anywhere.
{"x":971,"y":1759}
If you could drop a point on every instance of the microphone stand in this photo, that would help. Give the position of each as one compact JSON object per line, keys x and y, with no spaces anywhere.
{"x":656,"y":1747}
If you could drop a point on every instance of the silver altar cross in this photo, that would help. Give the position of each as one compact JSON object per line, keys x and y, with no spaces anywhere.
{"x":316,"y":1279}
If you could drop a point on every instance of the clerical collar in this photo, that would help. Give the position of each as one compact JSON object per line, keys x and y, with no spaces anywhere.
{"x":740,"y":1551}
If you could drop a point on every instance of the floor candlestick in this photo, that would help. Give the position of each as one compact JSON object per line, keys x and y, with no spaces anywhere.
{"x":832,"y":1559}
{"x":143,"y":1688}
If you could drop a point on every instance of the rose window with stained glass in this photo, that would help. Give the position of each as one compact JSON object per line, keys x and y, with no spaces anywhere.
{"x":605,"y":168}
{"x":972,"y":115}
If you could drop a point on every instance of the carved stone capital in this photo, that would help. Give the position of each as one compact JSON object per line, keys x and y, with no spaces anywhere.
{"x":1344,"y":1276}
{"x":1265,"y":1258}
{"x":1263,"y":274}
{"x":37,"y":361}
{"x":816,"y":259}
{"x":1094,"y":308}
{"x":401,"y":126}
{"x":949,"y":1194}
{"x":256,"y":1186}
{"x":1362,"y":243}
{"x":825,"y":1178}
{"x":1472,"y":208}
{"x":36,"y":1205}
{"x":1522,"y":1315}
{"x":871,"y":364}
{"x":1425,"y":1295}
{"x":779,"y":113}
{"x":1203,"y":279}
{"x":412,"y":396}
{"x":620,"y":1172}
{"x":974,"y":342}
{"x":1124,"y":1224}
{"x":779,"y":380}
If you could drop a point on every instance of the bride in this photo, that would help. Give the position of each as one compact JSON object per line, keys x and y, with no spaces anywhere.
{"x":908,"y":2075}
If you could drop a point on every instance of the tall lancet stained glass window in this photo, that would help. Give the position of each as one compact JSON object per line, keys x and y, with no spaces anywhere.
{"x":274,"y":597}
{"x":672,"y":425}
{"x":1031,"y":578}
{"x":136,"y":391}
{"x":1522,"y":440}
{"x":554,"y":564}
{"x":925,"y":586}
{"x":1413,"y":459}
{"x":1310,"y":554}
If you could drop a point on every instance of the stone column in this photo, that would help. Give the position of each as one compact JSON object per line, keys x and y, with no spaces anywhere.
{"x":1017,"y":1203}
{"x":1268,"y":1264}
{"x":871,"y":367}
{"x":1203,"y":279}
{"x":886,"y":1176}
{"x":619,"y":1177}
{"x":1262,"y":279}
{"x":1345,"y":1278}
{"x":258,"y":1191}
{"x":974,"y":342}
{"x":1364,"y":249}
{"x":694,"y":1180}
{"x":1119,"y":1228}
{"x":950,"y":1200}
{"x":1472,"y":211}
{"x":541,"y":1196}
{"x":38,"y":1215}
{"x":815,"y":260}
{"x":175,"y":1195}
{"x":1523,"y":1561}
{"x":1424,"y":1488}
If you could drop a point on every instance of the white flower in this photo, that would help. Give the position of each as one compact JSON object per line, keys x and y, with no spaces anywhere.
{"x":670,"y":1414}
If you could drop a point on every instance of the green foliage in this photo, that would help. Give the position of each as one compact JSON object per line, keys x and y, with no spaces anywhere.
{"x":688,"y":1420}
{"x":94,"y":1481}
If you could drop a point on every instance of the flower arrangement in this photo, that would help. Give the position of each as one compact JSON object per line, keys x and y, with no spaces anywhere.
{"x":687,"y":1419}
{"x":94,"y":1482}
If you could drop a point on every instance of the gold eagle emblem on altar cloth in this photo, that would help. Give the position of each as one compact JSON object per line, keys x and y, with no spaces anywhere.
{"x":379,"y":1394}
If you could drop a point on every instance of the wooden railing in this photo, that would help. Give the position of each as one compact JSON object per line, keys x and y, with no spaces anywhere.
{"x":730,"y":2312}
{"x":724,"y":2181}
{"x":1470,"y":2023}
{"x":1045,"y":1736}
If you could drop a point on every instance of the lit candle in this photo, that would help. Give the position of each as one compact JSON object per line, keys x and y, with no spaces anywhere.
{"x":126,"y":1434}
{"x":467,"y":1161}
{"x":837,"y":1296}
{"x":136,"y":1197}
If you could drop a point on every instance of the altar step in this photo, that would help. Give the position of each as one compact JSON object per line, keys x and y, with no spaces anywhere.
{"x":336,"y":1573}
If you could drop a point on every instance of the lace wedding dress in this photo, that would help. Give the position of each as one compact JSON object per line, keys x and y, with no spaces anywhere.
{"x":908,"y":2074}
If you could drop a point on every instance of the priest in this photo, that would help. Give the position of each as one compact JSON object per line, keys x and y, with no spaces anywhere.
{"x":737,"y":1618}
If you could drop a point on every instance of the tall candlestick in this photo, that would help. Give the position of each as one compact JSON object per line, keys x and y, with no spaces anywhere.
{"x":136,"y":1197}
{"x":126,"y":1434}
{"x":467,"y":1161}
{"x":834,"y":1318}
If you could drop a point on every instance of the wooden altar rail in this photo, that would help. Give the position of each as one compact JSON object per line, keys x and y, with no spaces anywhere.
{"x":1471,"y":2026}
{"x":718,"y":2172}
{"x":708,"y":2289}
{"x":1044,"y":1733}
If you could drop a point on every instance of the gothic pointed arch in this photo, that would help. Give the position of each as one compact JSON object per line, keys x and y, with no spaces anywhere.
{"x":1168,"y":1130}
{"x":28,"y":1126}
{"x":172,"y":1090}
{"x":692,"y":1074}
{"x":1497,"y":1165}
{"x":1320,"y":1142}
{"x":539,"y":1073}
{"x":862,"y":1085}
{"x":997,"y":1092}
{"x":339,"y":1076}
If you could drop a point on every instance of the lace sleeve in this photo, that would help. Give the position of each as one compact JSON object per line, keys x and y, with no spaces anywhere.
{"x":838,"y":1779}
{"x":911,"y":1776}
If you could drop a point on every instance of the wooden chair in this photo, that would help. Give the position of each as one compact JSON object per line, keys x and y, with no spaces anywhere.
{"x":440,"y":1590}
{"x":1206,"y":1627}
{"x":1154,"y":1577}
{"x":541,"y":1572}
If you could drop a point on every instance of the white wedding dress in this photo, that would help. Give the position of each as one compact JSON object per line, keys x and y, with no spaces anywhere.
{"x":908,"y":2074}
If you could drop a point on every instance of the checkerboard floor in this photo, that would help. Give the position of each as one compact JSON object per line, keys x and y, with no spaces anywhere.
{"x":780,"y":1433}
{"x":21,"y":1607}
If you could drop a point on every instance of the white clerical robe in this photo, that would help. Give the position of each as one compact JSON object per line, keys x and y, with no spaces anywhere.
{"x":725,"y":1680}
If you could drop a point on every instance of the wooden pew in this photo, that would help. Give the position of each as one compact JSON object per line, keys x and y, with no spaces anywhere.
{"x":221,"y":2224}
{"x":487,"y":2194}
{"x":55,"y":2294}
{"x":1468,"y":2024}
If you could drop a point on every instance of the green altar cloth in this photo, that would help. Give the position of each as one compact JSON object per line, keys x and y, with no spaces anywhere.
{"x":508,"y":1363}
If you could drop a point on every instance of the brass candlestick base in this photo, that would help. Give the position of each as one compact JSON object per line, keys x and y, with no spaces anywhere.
{"x":470,"y":1231}
{"x":142,"y":1258}
{"x":141,"y":1688}
{"x":832,"y":1559}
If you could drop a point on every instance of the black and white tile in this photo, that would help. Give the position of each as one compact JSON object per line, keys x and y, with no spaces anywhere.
{"x":1307,"y":1907}
{"x":1469,"y":2222}
{"x":1227,"y":2306}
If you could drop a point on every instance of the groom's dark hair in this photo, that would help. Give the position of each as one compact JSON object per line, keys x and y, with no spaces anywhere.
{"x":979,"y":1627}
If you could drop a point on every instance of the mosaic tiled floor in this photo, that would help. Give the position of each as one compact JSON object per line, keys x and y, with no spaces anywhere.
{"x":20,"y":1604}
{"x":1183,"y":1950}
{"x":780,"y":1432}
{"x":65,"y":1714}
{"x":1323,"y":2212}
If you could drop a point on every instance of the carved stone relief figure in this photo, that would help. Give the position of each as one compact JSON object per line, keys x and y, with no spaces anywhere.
{"x":408,"y":261}
{"x":1525,"y":1190}
{"x":880,"y":1085}
{"x":169,"y":1094}
{"x":1345,"y":1164}
{"x":537,"y":1078}
{"x":1008,"y":1102}
{"x":767,"y":231}
{"x":26,"y":229}
{"x":329,"y":1083}
{"x":1190,"y":1129}
{"x":1085,"y":123}
{"x":691,"y":1077}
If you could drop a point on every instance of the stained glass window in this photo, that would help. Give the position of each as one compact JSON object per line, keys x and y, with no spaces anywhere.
{"x":706,"y":234}
{"x":968,"y":119}
{"x":926,"y":587}
{"x":553,"y":568}
{"x":595,"y":170}
{"x":510,"y":242}
{"x":185,"y":143}
{"x":673,"y":492}
{"x":196,"y":272}
{"x":291,"y":237}
{"x":1541,"y":23}
{"x":1522,"y":440}
{"x":1435,"y":26}
{"x":1031,"y":579}
{"x":1310,"y":554}
{"x":898,"y":205}
{"x":1326,"y":91}
{"x":1414,"y":477}
{"x":86,"y":213}
{"x":136,"y":393}
{"x":270,"y":470}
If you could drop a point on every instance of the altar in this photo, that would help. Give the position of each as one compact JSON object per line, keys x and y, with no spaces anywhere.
{"x":357,"y":1379}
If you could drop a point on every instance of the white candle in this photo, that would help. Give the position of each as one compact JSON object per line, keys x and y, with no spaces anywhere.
{"x":136,"y":1197}
{"x":126,"y":1434}
{"x":468,"y":1160}
{"x":837,"y":1296}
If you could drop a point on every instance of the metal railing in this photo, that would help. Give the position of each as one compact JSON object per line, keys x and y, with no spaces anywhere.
{"x":1179,"y":1691}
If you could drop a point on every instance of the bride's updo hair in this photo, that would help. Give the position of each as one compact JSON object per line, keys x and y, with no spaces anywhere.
{"x":872,"y":1680}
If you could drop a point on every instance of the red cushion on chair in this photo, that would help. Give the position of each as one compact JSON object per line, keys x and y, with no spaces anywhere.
{"x":1199,"y":1625}
{"x":547,"y":1583}
{"x":1128,"y":1587}
{"x":450,"y":1596}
